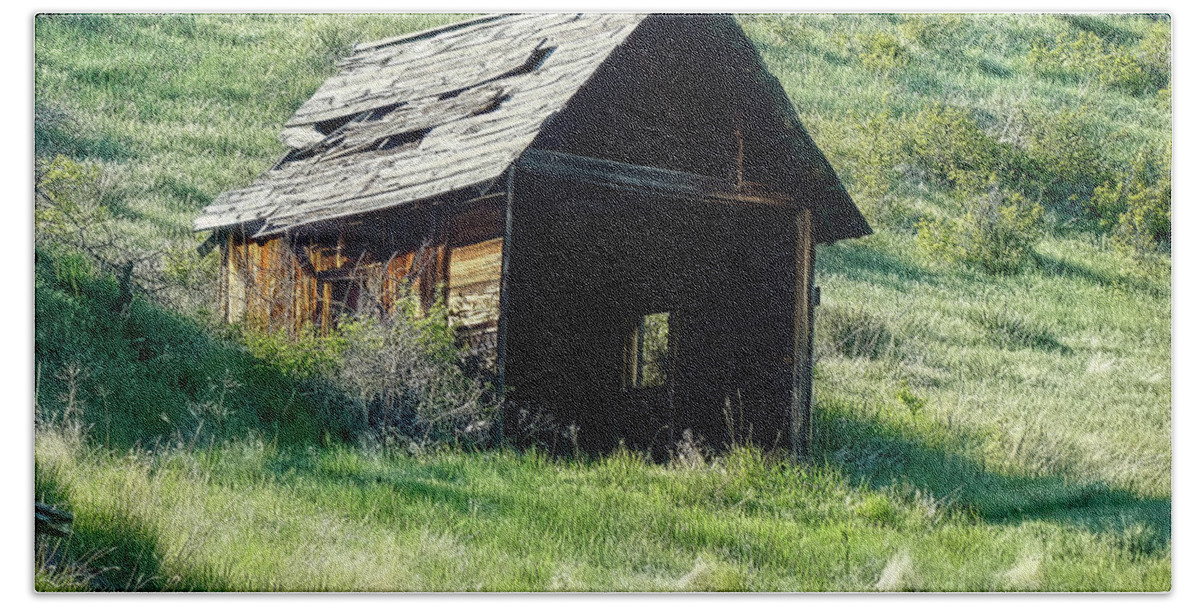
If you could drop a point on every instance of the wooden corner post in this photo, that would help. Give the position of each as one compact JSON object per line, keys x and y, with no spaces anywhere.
{"x":802,"y":340}
{"x":502,"y":322}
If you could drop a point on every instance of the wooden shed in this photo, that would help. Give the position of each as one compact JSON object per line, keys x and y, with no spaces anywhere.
{"x":620,"y":212}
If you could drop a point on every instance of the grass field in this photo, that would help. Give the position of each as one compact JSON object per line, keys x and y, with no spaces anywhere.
{"x":974,"y":431}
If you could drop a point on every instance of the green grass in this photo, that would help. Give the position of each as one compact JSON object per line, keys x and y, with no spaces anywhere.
{"x":974,"y":432}
{"x":246,"y":516}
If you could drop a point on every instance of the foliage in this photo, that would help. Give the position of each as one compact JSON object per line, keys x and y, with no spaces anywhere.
{"x":880,"y":51}
{"x":1088,"y":58}
{"x":404,"y":370}
{"x":303,"y":354}
{"x":996,"y":233}
{"x":882,"y":154}
{"x":1137,"y":207}
{"x":67,"y":192}
{"x":949,"y":144}
{"x":1066,"y":154}
{"x":72,"y":216}
{"x":149,"y":375}
{"x":909,"y":399}
{"x":943,"y":31}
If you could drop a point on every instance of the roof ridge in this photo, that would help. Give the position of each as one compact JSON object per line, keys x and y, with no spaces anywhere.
{"x":428,"y":33}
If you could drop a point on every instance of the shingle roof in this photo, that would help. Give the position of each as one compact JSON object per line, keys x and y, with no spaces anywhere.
{"x":417,"y":116}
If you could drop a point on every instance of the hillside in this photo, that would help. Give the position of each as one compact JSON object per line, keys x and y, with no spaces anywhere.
{"x":993,"y":387}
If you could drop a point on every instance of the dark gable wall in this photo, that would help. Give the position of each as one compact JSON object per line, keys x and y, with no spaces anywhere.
{"x":672,"y":97}
{"x":588,"y":260}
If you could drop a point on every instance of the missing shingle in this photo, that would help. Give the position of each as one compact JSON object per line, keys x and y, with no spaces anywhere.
{"x":410,"y":139}
{"x":454,"y":93}
{"x":533,"y":62}
{"x":379,"y":113}
{"x":325,"y":127}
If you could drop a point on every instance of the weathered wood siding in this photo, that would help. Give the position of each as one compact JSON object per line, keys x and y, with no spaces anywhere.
{"x":473,"y":285}
{"x":308,"y":282}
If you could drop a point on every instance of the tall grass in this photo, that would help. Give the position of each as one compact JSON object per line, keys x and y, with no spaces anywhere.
{"x":246,"y":516}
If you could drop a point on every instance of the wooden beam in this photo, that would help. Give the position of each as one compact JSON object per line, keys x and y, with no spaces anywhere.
{"x":802,"y":344}
{"x":505,"y":283}
{"x":640,"y":178}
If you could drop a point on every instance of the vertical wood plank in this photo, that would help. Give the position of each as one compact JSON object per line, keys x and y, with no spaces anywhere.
{"x":502,"y":323}
{"x":802,"y":418}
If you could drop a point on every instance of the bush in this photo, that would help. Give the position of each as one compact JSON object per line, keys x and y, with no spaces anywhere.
{"x":1065,"y":154}
{"x":1154,"y":54}
{"x":996,"y":233}
{"x":939,"y":32}
{"x":404,"y":372}
{"x":148,"y":375}
{"x":73,"y":216}
{"x":880,"y":154}
{"x":302,"y":355}
{"x":880,"y":51}
{"x":950,"y":146}
{"x":1137,"y":207}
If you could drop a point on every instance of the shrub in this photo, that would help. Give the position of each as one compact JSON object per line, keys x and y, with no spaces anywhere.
{"x":301,"y":355}
{"x":73,"y":216}
{"x":149,"y":374}
{"x":1154,"y":54}
{"x":403,"y":370}
{"x":879,"y":154}
{"x":950,"y":146}
{"x":880,"y":51}
{"x":941,"y":32}
{"x":1066,"y":160}
{"x":909,"y":399}
{"x":1137,"y":207}
{"x":996,"y":233}
{"x":66,"y":198}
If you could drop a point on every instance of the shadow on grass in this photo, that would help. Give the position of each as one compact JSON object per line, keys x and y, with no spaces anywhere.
{"x":1057,"y":266}
{"x":118,"y":551}
{"x":881,"y":454}
{"x":872,"y":265}
{"x":67,"y":139}
{"x":148,"y":374}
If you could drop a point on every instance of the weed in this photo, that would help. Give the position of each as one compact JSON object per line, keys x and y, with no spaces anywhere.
{"x":877,"y":509}
{"x":880,"y":51}
{"x":689,"y":452}
{"x":909,"y":399}
{"x":1088,"y":58}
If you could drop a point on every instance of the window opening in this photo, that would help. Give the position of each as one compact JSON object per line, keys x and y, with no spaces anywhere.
{"x":649,"y":358}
